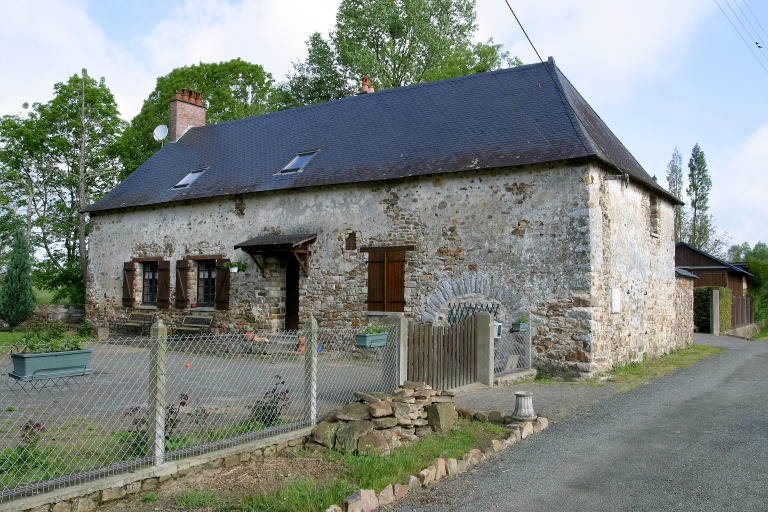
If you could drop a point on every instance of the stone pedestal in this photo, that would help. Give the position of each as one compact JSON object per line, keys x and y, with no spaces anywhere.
{"x":523,"y":407}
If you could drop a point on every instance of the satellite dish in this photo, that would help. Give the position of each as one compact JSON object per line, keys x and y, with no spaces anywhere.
{"x":161,"y":132}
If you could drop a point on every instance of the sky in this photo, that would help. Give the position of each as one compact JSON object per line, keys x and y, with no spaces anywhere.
{"x":660,"y":73}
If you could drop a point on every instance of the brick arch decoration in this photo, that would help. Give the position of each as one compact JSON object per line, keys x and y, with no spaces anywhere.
{"x":469,"y":287}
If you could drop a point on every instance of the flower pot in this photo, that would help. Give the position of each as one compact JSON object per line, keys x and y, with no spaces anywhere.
{"x":520,"y":327}
{"x":51,"y":365}
{"x":233,"y":270}
{"x":249,"y":335}
{"x":371,"y":340}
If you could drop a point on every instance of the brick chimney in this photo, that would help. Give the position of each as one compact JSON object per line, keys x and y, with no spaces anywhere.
{"x":366,"y":87}
{"x":187,"y":111}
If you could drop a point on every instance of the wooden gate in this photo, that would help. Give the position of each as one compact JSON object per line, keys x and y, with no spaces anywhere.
{"x":443,"y":357}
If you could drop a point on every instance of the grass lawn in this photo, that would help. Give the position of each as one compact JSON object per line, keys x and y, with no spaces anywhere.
{"x":43,"y":296}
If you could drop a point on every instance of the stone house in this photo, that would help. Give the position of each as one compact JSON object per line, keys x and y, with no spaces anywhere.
{"x":502,"y":187}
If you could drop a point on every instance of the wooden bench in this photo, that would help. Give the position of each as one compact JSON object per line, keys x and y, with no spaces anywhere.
{"x":141,"y":322}
{"x":194,"y":324}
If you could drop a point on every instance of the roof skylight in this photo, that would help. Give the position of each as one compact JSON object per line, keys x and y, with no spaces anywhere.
{"x":299,"y":162}
{"x":190,"y":178}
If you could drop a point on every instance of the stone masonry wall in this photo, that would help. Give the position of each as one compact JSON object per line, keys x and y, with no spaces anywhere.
{"x":635,"y":262}
{"x":683,"y":330}
{"x":528,"y":239}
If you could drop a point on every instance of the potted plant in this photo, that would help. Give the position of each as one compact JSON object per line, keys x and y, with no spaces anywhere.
{"x":49,"y":354}
{"x":521,"y":324}
{"x":235,"y":266}
{"x":375,"y":335}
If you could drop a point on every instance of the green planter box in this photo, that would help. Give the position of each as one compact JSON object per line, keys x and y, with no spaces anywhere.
{"x":371,"y":340}
{"x":51,"y":365}
{"x":520,"y":326}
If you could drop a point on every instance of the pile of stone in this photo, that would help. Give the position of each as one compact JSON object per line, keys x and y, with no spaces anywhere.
{"x":380,"y":422}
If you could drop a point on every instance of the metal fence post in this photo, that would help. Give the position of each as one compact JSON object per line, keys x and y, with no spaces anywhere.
{"x":530,"y":340}
{"x":156,"y":413}
{"x":310,"y":372}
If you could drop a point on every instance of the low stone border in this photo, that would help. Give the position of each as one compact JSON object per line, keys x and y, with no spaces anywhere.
{"x":366,"y":500}
{"x":87,"y":496}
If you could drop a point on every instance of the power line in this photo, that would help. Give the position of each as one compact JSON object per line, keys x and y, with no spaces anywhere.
{"x":756,"y":36}
{"x":741,"y":36}
{"x":757,"y":21}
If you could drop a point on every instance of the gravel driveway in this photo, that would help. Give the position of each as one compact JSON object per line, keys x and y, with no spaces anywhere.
{"x":694,"y":440}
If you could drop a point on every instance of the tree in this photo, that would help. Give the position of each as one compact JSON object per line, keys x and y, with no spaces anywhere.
{"x":702,"y":232}
{"x":396,"y":43}
{"x":234,"y":90}
{"x":55,"y":160}
{"x":675,"y":182}
{"x":757,"y":259}
{"x":17,"y":301}
{"x":318,"y":79}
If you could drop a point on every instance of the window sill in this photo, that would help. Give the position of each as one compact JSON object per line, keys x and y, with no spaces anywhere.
{"x":385,"y":313}
{"x":203,"y":308}
{"x":145,"y":306}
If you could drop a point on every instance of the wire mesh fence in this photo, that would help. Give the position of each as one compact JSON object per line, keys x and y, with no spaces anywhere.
{"x":149,"y":399}
{"x":512,"y":352}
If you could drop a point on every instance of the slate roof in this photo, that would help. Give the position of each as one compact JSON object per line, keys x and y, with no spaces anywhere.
{"x":508,"y":118}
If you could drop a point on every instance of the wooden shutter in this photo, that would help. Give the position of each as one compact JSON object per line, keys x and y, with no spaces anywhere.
{"x":386,"y":281}
{"x":222,"y":285}
{"x":163,"y":284}
{"x":128,"y":270}
{"x":182,"y":272}
{"x":376,"y":266}
{"x":394,"y":281}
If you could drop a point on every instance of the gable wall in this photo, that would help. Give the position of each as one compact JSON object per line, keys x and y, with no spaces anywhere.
{"x":528,"y":239}
{"x":640,"y":265}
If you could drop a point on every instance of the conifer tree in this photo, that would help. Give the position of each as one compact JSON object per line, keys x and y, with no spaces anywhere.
{"x":17,"y":301}
{"x":699,"y":186}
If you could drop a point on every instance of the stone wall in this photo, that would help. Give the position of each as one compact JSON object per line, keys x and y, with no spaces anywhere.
{"x":87,"y":496}
{"x":550,"y":240}
{"x":683,"y":331}
{"x":632,"y":275}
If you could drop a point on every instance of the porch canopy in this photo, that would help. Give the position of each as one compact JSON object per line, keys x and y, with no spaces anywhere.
{"x":275,"y":245}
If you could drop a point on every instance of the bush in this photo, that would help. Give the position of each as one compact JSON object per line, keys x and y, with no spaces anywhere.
{"x":268,"y":409}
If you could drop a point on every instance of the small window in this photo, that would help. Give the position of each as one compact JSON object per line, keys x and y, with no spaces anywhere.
{"x":149,"y":283}
{"x":298,"y":163}
{"x":351,"y":242}
{"x":654,"y":215}
{"x":189,"y":178}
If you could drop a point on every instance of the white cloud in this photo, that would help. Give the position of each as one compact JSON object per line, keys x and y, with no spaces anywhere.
{"x":52,"y":41}
{"x":605,"y":47}
{"x":739,"y":190}
{"x":271,"y":33}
